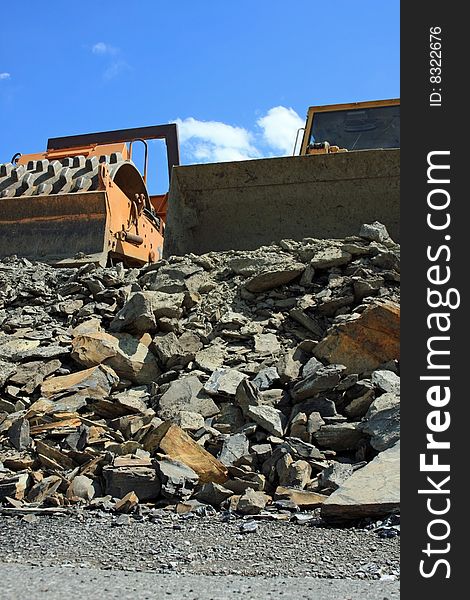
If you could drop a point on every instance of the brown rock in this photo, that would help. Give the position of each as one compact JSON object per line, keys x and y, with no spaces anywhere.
{"x":365,"y":343}
{"x":29,"y":375}
{"x":178,"y":445}
{"x":18,"y":462}
{"x":303,"y":498}
{"x":95,"y":382}
{"x":127,"y":503}
{"x":45,"y":450}
{"x":44,"y":488}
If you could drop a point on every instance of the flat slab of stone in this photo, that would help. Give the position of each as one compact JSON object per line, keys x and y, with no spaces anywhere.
{"x":303,"y":498}
{"x":96,"y":382}
{"x":268,"y":280}
{"x":186,"y":394}
{"x":372,"y":491}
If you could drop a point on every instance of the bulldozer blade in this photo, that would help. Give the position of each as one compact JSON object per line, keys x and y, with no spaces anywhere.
{"x":60,"y":229}
{"x":247,"y":204}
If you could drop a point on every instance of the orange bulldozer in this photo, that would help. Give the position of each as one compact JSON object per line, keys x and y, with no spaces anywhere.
{"x":83,"y":200}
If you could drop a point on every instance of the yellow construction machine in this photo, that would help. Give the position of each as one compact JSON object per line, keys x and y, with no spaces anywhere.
{"x":83,"y":200}
{"x":246,"y":204}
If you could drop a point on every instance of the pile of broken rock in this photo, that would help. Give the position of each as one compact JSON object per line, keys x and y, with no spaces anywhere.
{"x":254,"y":381}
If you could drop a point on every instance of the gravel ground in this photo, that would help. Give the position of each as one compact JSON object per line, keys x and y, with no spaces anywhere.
{"x":19,"y":582}
{"x":199,"y":546}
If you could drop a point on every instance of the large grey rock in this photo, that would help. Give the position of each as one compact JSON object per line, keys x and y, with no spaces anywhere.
{"x":136,"y":315}
{"x":387,"y":381}
{"x":329,"y":256}
{"x":301,"y":449}
{"x":382,"y":422}
{"x":233,"y":448}
{"x":360,"y":405}
{"x":186,"y":394}
{"x":268,"y":280}
{"x":252,"y":503}
{"x":124,"y":353}
{"x":265,"y":378}
{"x":189,"y":421}
{"x":224,"y":382}
{"x":229,"y":419}
{"x":141,"y":480}
{"x":366,"y":287}
{"x":210,"y":358}
{"x":190,"y":343}
{"x":19,"y":434}
{"x":267,"y":344}
{"x":288,"y":367}
{"x":269,"y":418}
{"x":133,"y":400}
{"x":140,"y":313}
{"x":212,"y":493}
{"x":177,"y":479}
{"x":11,"y":346}
{"x":372,"y":491}
{"x":81,"y":487}
{"x":343,"y":436}
{"x":43,"y":352}
{"x":31,"y":374}
{"x":311,"y":367}
{"x":321,"y":380}
{"x":335,"y":475}
{"x":169,"y":351}
{"x":374,"y":232}
{"x":321,"y":405}
{"x":298,"y":427}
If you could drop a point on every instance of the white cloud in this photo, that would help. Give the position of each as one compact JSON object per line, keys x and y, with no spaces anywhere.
{"x":102,"y":49}
{"x":4,"y":76}
{"x":214,"y":141}
{"x":279,"y":128}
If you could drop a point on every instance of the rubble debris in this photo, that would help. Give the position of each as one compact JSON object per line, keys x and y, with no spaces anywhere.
{"x":223,"y":380}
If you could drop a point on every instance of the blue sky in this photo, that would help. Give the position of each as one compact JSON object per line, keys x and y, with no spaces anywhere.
{"x":237,"y":76}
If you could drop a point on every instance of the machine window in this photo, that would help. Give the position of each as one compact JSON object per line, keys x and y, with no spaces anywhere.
{"x":360,"y":129}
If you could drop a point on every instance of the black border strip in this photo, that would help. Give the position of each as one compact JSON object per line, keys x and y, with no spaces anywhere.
{"x":438,"y":127}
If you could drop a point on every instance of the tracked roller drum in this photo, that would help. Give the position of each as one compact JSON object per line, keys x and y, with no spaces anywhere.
{"x":59,"y":211}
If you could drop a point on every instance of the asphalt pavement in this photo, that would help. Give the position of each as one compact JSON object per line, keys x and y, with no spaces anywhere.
{"x":23,"y":582}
